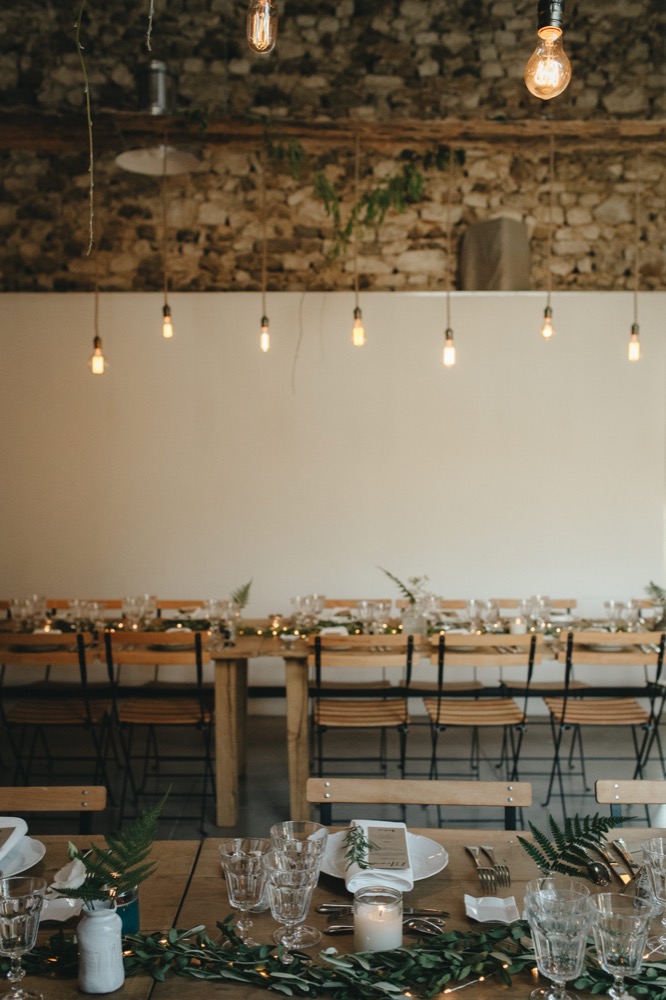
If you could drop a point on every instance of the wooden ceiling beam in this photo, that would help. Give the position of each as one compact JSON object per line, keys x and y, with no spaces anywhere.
{"x":118,"y":131}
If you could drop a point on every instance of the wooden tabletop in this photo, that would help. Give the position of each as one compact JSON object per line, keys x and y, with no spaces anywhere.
{"x":188,"y":889}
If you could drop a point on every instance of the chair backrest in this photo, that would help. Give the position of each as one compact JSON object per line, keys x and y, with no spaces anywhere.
{"x":359,"y":650}
{"x":172,"y":604}
{"x":558,"y":603}
{"x":44,"y":648}
{"x":615,"y":648}
{"x":401,"y":791}
{"x":157,"y":649}
{"x":618,"y":792}
{"x":83,"y":800}
{"x":491,"y":650}
{"x":351,"y":602}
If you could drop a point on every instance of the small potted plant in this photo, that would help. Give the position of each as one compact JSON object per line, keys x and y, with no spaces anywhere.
{"x":106,"y":879}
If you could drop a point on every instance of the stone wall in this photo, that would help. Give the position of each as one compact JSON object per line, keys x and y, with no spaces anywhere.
{"x":335,"y":59}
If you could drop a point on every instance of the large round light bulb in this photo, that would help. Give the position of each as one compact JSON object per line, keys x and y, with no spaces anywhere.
{"x":261,"y":25}
{"x":548,"y":69}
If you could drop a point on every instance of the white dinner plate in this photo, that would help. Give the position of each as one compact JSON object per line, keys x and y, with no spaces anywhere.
{"x":602,"y":647}
{"x":26,"y":854}
{"x":491,"y":908}
{"x":426,"y":856}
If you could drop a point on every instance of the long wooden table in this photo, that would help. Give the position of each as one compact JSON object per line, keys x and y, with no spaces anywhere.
{"x":188,"y":889}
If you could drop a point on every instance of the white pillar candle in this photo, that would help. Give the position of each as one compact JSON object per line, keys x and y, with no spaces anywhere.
{"x":518,"y":626}
{"x":377,"y":919}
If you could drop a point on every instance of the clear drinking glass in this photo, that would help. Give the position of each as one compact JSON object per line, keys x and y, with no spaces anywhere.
{"x":21,"y":902}
{"x":654,"y":866}
{"x":243,"y":866}
{"x":291,"y":879}
{"x":560,"y":921}
{"x":303,"y":835}
{"x":620,"y":927}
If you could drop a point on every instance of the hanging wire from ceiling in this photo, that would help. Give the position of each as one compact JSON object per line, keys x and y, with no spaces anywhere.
{"x":547,"y":330}
{"x":634,"y":346}
{"x":167,"y":324}
{"x":264,"y":336}
{"x":449,"y":355}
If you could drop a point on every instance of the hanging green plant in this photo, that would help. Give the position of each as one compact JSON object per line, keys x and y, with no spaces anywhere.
{"x":390,"y":194}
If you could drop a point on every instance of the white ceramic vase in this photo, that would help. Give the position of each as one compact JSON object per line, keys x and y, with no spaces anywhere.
{"x":101,"y":968}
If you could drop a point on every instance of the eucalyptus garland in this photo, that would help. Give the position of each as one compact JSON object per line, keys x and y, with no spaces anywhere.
{"x":423,"y":970}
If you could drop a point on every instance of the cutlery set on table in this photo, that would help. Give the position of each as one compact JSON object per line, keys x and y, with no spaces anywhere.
{"x":490,"y":876}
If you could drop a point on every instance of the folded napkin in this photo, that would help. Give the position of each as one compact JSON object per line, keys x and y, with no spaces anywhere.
{"x":12,"y":829}
{"x":334,"y":630}
{"x":395,"y":878}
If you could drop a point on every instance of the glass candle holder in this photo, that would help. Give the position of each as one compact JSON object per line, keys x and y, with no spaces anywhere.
{"x":377,"y":918}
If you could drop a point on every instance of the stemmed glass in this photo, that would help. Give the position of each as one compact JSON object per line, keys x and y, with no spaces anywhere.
{"x":654,"y":866}
{"x":21,"y":902}
{"x":560,"y":920}
{"x":243,"y":866}
{"x":620,"y":927}
{"x":301,"y":835}
{"x":291,"y":879}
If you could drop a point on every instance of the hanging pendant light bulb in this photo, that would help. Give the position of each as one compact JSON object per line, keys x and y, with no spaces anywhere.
{"x":634,"y":346}
{"x":262,"y":25}
{"x":634,"y":349}
{"x":98,"y":363}
{"x":167,"y":325}
{"x":358,"y":330}
{"x":547,"y":330}
{"x":548,"y":69}
{"x":97,"y":359}
{"x":449,"y":356}
{"x":264,"y":336}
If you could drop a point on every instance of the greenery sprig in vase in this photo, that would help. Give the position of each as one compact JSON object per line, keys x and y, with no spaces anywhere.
{"x":100,"y":873}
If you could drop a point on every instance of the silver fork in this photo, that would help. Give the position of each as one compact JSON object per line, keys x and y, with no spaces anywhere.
{"x":502,"y":872}
{"x":487,"y":876}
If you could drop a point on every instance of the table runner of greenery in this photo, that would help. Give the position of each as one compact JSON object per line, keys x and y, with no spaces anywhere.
{"x":432,"y":965}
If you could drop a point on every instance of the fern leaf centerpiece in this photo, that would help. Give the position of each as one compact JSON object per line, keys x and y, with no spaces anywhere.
{"x":568,"y":853}
{"x":106,"y":872}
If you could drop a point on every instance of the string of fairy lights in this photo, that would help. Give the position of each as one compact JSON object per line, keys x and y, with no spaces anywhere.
{"x":547,"y":74}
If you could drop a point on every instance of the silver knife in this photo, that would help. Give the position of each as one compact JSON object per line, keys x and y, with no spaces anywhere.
{"x":335,"y":909}
{"x":623,"y":851}
{"x":614,"y":865}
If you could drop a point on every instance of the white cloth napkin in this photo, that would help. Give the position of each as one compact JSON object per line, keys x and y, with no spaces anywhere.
{"x":357,"y":878}
{"x":18,"y":827}
{"x":334,"y":630}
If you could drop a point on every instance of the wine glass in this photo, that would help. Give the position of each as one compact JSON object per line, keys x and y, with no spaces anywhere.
{"x":614,"y":610}
{"x":21,"y":902}
{"x":301,"y":835}
{"x":243,"y":866}
{"x":559,"y":920}
{"x":291,"y":879}
{"x":654,"y":866}
{"x":620,"y":927}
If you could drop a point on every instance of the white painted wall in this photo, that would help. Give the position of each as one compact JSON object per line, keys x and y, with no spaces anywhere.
{"x":200,"y":463}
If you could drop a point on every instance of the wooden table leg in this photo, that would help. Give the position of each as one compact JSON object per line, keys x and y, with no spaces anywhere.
{"x":298,"y":750}
{"x":230,"y":703}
